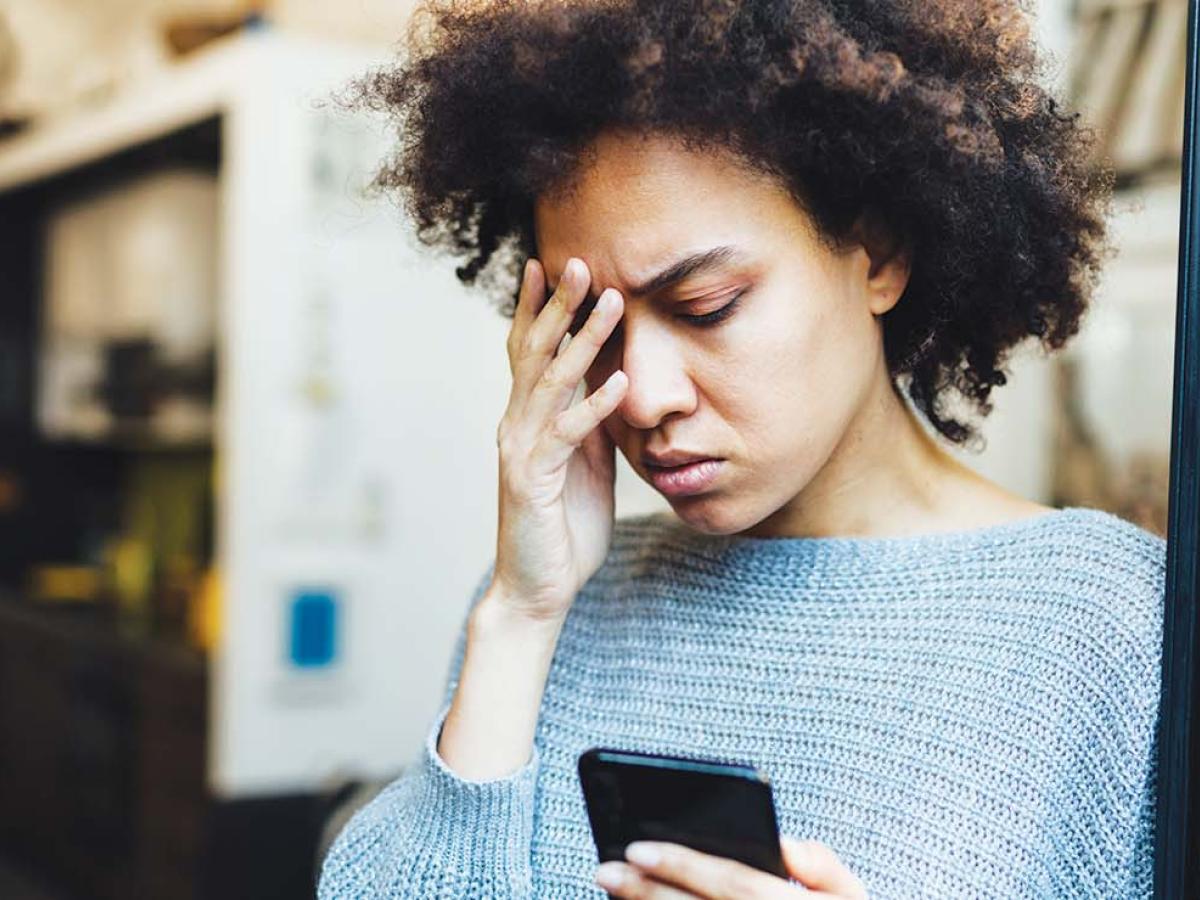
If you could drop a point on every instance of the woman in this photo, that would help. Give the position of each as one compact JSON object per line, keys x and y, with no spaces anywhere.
{"x":762,"y":225}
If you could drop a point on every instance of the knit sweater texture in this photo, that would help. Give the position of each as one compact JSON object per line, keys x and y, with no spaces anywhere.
{"x":959,"y":714}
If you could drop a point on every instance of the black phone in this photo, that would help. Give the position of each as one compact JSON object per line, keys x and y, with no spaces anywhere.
{"x":725,"y":809}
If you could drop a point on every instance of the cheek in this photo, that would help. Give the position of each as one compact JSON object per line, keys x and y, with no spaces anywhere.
{"x":826,"y":344}
{"x":612,"y":427}
{"x":797,"y":373}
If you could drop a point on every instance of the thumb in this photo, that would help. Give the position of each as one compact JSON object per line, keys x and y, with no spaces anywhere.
{"x":818,"y":868}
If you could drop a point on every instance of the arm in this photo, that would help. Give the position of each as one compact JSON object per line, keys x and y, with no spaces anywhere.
{"x":488,"y":730}
{"x":459,"y":821}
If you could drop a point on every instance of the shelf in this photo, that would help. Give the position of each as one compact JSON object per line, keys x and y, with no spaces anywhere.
{"x":184,"y":93}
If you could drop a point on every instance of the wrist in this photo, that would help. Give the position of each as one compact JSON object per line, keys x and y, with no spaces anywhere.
{"x":497,"y":613}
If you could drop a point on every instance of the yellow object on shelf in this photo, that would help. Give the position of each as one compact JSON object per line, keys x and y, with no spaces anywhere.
{"x":66,"y":583}
{"x":204,"y":613}
{"x":132,"y":567}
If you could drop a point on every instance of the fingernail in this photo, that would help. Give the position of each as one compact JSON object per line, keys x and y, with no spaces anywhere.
{"x":642,"y":853}
{"x":610,"y":875}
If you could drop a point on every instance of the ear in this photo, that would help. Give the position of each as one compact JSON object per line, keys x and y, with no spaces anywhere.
{"x":890,"y":262}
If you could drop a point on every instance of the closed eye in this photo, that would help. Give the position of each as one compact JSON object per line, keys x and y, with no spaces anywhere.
{"x":716,"y":315}
{"x":705,"y":320}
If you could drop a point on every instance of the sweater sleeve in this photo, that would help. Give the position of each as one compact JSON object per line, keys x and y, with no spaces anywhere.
{"x":1141,"y":873}
{"x":1143,"y":706}
{"x":431,"y":833}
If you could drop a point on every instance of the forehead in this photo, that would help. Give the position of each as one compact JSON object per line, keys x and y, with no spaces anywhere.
{"x":638,"y":201}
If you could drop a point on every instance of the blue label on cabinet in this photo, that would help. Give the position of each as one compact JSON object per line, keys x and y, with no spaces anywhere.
{"x":313,"y":628}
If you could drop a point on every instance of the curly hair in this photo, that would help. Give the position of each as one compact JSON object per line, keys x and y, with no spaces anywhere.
{"x":929,"y":114}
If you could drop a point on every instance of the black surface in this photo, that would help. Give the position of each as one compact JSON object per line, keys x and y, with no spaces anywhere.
{"x":264,"y":848}
{"x":18,"y":883}
{"x":1177,"y":839}
{"x":103,"y":738}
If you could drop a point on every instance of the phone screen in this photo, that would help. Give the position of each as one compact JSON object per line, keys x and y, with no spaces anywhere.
{"x":715,"y":807}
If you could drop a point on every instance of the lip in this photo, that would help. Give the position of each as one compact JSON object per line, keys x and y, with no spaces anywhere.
{"x":690,"y":478}
{"x":672,"y":458}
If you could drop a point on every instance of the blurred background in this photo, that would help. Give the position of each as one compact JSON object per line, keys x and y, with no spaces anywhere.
{"x":247,"y":430}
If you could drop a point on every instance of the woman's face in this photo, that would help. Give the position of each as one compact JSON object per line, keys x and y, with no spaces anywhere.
{"x":775,"y":387}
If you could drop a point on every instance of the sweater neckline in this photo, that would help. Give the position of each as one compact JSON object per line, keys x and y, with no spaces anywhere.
{"x":739,"y":547}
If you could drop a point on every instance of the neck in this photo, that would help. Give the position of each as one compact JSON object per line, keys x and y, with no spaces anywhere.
{"x":889,"y":477}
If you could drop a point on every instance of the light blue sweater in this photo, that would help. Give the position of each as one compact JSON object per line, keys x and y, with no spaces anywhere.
{"x":966,"y":714}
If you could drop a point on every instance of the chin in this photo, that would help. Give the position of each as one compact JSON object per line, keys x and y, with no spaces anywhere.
{"x":707,"y":514}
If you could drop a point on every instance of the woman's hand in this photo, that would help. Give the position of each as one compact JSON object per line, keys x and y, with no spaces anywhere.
{"x":557,"y":464}
{"x":663,"y":871}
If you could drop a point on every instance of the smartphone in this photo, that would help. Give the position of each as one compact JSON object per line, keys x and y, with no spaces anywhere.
{"x":725,"y":809}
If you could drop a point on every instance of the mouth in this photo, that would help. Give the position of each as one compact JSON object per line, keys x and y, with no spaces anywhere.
{"x":671,"y":459}
{"x":688,"y":478}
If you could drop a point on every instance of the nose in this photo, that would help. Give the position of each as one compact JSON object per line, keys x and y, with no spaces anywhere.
{"x":659,"y":384}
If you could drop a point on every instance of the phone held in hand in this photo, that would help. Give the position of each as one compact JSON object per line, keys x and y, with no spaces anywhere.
{"x":724,"y":809}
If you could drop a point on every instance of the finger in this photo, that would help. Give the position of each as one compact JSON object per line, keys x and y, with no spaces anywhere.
{"x":546,"y":332}
{"x":530,"y":299}
{"x":625,"y":881}
{"x":598,"y":447}
{"x":570,"y":427}
{"x":816,"y":866}
{"x":554,"y":390}
{"x":709,"y":876}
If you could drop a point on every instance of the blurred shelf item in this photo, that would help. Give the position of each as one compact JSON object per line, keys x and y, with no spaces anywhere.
{"x":204,"y":616}
{"x":66,"y":584}
{"x":1127,"y":77}
{"x":186,"y":94}
{"x":127,"y":343}
{"x":187,"y":34}
{"x":12,"y":121}
{"x":1114,"y":381}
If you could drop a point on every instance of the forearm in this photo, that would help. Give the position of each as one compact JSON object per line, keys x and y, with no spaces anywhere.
{"x":432,"y":833}
{"x":488,"y":731}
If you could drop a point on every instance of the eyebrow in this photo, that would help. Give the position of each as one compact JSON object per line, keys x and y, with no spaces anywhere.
{"x":696,"y":263}
{"x":693,"y":264}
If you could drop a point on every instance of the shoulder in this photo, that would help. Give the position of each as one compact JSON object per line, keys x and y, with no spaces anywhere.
{"x":1105,"y":579}
{"x":1119,"y":567}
